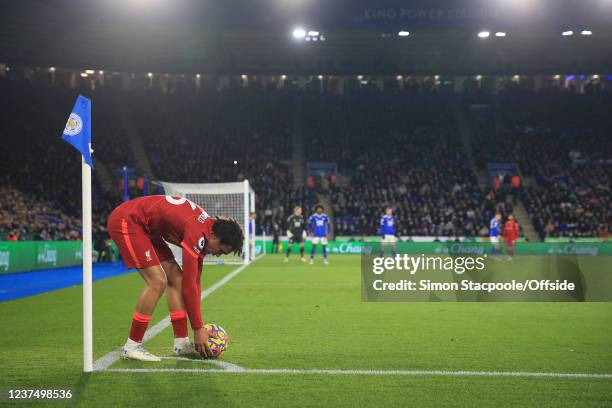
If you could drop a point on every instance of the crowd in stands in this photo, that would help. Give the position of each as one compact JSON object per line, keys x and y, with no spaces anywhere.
{"x":561,"y":144}
{"x":401,"y":152}
{"x":397,"y":150}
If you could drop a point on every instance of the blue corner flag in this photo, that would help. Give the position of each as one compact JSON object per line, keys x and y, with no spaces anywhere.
{"x":78,"y":128}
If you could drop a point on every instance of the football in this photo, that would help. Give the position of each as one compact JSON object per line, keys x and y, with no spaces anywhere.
{"x":218,"y":343}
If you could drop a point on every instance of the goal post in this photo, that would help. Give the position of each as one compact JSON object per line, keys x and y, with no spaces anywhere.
{"x":235,"y":200}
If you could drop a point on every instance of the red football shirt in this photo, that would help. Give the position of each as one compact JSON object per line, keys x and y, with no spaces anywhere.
{"x":511,"y":230}
{"x":183,"y":223}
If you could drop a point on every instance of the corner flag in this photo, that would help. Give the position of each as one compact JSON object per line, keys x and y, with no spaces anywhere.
{"x":78,"y":128}
{"x":78,"y":133}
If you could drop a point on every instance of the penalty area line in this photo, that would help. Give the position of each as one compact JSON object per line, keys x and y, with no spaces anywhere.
{"x":104,"y":362}
{"x":415,"y":373}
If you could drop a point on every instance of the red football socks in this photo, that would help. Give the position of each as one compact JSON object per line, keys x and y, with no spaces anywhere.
{"x":179,"y":323}
{"x":139,"y":326}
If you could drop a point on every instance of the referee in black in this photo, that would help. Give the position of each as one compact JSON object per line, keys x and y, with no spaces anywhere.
{"x":296,"y":231}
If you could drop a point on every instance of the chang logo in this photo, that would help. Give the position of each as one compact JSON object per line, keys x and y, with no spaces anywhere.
{"x":201,"y":243}
{"x":74,"y":125}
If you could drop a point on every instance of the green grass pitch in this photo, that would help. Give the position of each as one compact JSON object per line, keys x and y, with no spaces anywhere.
{"x":299,"y":316}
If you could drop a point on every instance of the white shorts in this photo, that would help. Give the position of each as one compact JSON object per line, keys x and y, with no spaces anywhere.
{"x":316,"y":240}
{"x":494,"y":240}
{"x":389,"y":239}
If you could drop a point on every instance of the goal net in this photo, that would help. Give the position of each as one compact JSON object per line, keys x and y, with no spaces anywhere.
{"x":236,"y":200}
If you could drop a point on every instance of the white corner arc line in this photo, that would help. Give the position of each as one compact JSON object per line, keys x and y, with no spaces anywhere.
{"x":104,"y":362}
{"x":226,"y":366}
{"x":366,"y":372}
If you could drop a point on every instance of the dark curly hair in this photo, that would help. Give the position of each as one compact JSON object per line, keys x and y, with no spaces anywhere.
{"x":229,"y":233}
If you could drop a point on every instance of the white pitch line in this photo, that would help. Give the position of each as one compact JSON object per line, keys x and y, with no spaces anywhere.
{"x":226,"y":366}
{"x":109,"y":359}
{"x":364,"y":372}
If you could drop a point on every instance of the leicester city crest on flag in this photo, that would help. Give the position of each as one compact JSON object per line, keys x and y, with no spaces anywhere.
{"x":78,"y":128}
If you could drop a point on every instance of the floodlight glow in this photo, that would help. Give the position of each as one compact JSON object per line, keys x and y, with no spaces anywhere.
{"x":403,"y":33}
{"x":89,"y":71}
{"x":243,"y":76}
{"x":516,"y":77}
{"x":51,"y":69}
{"x":320,"y":77}
{"x":478,"y":77}
{"x":399,"y":77}
{"x":84,"y":74}
{"x":557,"y":76}
{"x":586,"y":32}
{"x":197,"y":75}
{"x":150,"y":74}
{"x":484,"y":34}
{"x":299,"y":33}
{"x":567,"y":33}
{"x":595,"y":76}
{"x":360,"y":77}
{"x":283,"y":77}
{"x":500,"y":34}
{"x":437,"y":77}
{"x":101,"y":72}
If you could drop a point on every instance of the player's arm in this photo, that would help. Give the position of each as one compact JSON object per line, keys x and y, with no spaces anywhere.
{"x":192,"y":272}
{"x":329,"y":226}
{"x":289,"y":221}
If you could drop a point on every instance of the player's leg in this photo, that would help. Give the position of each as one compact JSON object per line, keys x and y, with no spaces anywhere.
{"x":301,"y":244}
{"x":383,"y":244}
{"x":289,"y":247}
{"x":315,"y":242}
{"x":176,"y":308}
{"x":510,"y":249}
{"x":137,"y":252}
{"x":324,"y":246}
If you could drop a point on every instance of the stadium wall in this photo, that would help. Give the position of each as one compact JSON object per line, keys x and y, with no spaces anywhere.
{"x":474,"y":248}
{"x":22,"y":256}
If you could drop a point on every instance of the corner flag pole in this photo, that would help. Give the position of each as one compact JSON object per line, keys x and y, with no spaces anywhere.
{"x":87,"y":269}
{"x":78,"y":133}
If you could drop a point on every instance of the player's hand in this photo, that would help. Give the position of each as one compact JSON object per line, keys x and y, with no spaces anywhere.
{"x":289,"y":234}
{"x":200,"y":340}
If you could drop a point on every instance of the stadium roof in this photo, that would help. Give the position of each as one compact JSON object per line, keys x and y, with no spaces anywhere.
{"x":361,"y":37}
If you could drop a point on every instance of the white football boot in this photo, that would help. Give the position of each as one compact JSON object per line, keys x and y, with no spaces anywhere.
{"x":303,"y":259}
{"x":326,"y":262}
{"x":311,"y":261}
{"x":286,"y":260}
{"x":138,"y":353}
{"x":183,"y":347}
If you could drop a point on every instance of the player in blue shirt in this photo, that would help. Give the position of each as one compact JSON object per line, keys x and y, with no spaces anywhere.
{"x":319,"y":227}
{"x":494,"y":234}
{"x":387,"y":232}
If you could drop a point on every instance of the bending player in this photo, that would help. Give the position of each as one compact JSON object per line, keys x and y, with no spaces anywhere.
{"x":139,"y":228}
{"x":320,"y":227}
{"x":387,"y":232}
{"x":511,"y":234}
{"x":494,"y":235}
{"x":296,"y":232}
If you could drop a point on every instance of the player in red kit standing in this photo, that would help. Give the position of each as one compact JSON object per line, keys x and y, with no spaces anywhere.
{"x":511,"y":234}
{"x":141,"y":228}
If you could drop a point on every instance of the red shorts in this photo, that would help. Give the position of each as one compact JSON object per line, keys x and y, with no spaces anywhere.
{"x":138,"y":249}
